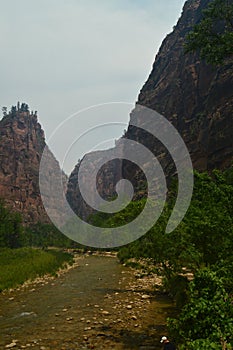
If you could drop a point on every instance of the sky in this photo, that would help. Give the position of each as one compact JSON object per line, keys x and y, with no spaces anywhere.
{"x":63,"y":56}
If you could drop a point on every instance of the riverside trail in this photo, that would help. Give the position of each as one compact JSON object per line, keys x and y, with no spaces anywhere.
{"x":97,"y":305}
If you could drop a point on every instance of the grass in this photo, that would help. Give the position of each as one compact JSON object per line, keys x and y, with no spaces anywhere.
{"x":20,"y":265}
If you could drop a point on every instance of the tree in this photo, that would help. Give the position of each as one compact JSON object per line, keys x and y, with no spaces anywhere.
{"x":13,"y":111}
{"x":11,"y":229}
{"x":24,"y":107}
{"x":4,"y":111}
{"x":209,"y":218}
{"x":212,"y":37}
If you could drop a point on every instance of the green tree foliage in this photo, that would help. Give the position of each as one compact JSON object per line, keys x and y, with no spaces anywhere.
{"x":213,"y":36}
{"x":206,"y":321}
{"x":14,"y":235}
{"x":46,"y":235}
{"x":11,"y":232}
{"x":208,"y":222}
{"x":202,"y":245}
{"x":205,"y":235}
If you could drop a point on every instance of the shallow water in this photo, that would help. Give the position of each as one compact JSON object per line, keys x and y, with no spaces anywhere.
{"x":89,"y":307}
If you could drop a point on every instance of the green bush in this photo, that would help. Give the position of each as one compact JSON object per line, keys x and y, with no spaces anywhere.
{"x":207,"y":318}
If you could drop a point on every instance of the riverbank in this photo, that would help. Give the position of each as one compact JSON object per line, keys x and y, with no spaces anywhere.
{"x":98,"y":305}
{"x":26,"y":265}
{"x":34,"y":267}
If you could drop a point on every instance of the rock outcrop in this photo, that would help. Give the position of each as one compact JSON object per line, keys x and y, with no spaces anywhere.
{"x":21,"y":147}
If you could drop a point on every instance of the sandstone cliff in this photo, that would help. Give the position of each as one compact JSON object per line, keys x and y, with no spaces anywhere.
{"x":195,"y":97}
{"x":107,"y":179}
{"x":22,"y":144}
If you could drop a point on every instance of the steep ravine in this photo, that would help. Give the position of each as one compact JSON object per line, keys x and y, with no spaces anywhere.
{"x":195,"y":97}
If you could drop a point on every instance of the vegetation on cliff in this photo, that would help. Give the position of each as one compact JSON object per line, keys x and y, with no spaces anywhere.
{"x":213,"y":36}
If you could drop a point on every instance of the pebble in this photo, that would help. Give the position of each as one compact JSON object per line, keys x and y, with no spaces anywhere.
{"x":105,"y":313}
{"x":11,"y":345}
{"x":129,"y":307}
{"x":145,"y":296}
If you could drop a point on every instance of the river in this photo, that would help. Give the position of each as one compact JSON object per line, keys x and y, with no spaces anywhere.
{"x":96,"y":305}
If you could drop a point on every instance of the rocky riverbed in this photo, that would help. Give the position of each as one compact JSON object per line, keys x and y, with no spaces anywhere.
{"x":98,"y":304}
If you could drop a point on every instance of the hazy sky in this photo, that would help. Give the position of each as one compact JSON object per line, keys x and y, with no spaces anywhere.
{"x":60,"y":56}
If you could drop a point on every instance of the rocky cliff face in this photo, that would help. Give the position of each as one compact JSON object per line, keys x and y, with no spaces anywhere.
{"x":107,"y":178}
{"x":22,"y":144}
{"x":195,"y":97}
